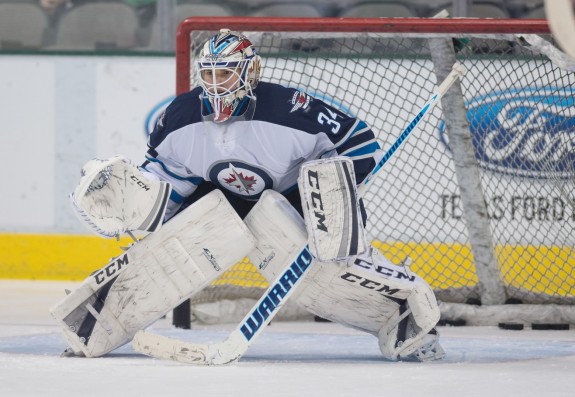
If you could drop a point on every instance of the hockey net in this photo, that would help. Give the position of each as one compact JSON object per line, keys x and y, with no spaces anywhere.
{"x":481,"y":197}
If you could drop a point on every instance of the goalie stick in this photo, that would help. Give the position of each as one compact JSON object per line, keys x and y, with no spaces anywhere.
{"x":252,"y":325}
{"x":457,"y":71}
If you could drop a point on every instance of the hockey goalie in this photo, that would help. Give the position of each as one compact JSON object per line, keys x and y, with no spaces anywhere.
{"x":239,"y":167}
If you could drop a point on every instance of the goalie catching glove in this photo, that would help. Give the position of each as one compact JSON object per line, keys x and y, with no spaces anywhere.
{"x":114,"y":197}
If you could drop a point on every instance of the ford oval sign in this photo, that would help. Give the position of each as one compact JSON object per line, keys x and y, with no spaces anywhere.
{"x":154,"y":114}
{"x":526,"y":132}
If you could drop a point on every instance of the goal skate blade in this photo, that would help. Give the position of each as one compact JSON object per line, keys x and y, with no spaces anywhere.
{"x":164,"y":348}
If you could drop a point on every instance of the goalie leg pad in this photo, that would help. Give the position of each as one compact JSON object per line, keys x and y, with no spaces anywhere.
{"x":279,"y":230}
{"x":331,"y":209}
{"x":373,"y":295}
{"x":153,"y":276}
{"x":369,"y":293}
{"x":280,"y":233}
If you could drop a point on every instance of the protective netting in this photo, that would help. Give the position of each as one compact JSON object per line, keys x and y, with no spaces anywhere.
{"x":521,"y":117}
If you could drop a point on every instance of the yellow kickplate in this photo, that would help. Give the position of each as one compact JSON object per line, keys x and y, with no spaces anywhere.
{"x":55,"y":257}
{"x":540,"y":269}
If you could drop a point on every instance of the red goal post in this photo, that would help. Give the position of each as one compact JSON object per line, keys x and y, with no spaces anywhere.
{"x":342,"y":25}
{"x":481,"y":197}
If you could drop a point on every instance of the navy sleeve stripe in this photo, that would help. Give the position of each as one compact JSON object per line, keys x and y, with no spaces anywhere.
{"x":357,"y":129}
{"x":357,"y":142}
{"x":176,"y":197}
{"x":361,"y":127}
{"x":368,"y":147}
{"x":182,"y":111}
{"x":349,"y":134}
{"x":364,"y":156}
{"x":196,"y":180}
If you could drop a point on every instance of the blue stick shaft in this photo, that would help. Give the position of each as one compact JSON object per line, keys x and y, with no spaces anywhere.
{"x":456,"y":72}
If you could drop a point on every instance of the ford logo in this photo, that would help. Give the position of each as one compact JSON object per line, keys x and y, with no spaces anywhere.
{"x":527,"y":132}
{"x":154,"y":114}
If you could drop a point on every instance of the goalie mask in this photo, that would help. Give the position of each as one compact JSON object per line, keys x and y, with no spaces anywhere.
{"x":228,"y":71}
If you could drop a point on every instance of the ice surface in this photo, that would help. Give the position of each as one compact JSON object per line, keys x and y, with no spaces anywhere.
{"x":289,"y":359}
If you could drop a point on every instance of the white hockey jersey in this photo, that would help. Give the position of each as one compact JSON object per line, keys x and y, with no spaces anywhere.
{"x":246,"y":157}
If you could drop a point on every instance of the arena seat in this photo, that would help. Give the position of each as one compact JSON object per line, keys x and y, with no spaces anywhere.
{"x":100,"y":26}
{"x":297,"y":9}
{"x":487,"y":10}
{"x":477,"y":8}
{"x":377,"y":9}
{"x":22,"y":26}
{"x":536,"y":12}
{"x":183,"y":11}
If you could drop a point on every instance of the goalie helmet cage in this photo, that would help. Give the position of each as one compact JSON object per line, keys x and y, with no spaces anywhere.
{"x":481,"y":196}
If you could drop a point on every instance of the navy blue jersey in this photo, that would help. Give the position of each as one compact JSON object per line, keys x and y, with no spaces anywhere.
{"x":248,"y":156}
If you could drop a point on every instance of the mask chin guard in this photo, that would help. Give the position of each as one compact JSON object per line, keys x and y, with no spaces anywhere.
{"x":246,"y":114}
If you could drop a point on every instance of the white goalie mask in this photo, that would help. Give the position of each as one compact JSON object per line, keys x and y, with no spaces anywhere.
{"x":228,"y":71}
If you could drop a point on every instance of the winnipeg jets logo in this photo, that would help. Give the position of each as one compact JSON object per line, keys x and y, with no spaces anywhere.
{"x":299,"y":100}
{"x":100,"y":180}
{"x":241,"y":182}
{"x":242,"y":179}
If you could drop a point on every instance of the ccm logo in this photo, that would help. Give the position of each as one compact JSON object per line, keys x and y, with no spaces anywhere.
{"x":110,"y":270}
{"x":369,"y":284}
{"x":140,"y":183}
{"x":385,"y":271}
{"x":316,"y":202}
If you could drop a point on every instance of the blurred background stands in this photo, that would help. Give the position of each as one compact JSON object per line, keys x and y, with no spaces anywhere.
{"x":150,"y":25}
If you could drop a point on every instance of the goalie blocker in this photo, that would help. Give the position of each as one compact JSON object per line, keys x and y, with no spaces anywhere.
{"x":331,"y":209}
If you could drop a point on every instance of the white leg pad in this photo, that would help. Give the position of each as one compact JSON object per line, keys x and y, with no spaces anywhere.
{"x":279,"y":230}
{"x":349,"y":296}
{"x":368,"y":293}
{"x":153,"y":276}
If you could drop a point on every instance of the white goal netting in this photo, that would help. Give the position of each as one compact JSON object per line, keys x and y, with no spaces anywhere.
{"x":481,"y":196}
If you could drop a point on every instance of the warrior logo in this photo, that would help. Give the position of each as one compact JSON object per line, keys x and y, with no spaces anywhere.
{"x":276,"y":294}
{"x":243,"y":180}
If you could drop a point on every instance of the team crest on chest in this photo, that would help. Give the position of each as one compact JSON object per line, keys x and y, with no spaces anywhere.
{"x":240,"y":178}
